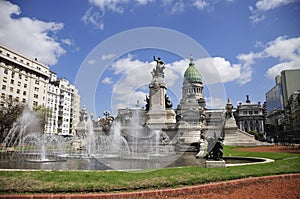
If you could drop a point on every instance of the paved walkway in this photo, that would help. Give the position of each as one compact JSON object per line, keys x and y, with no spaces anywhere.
{"x":279,"y":186}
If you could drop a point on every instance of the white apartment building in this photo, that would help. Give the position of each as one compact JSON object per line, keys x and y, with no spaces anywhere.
{"x":52,"y":103}
{"x":32,"y":83}
{"x":63,"y":101}
{"x":22,"y":79}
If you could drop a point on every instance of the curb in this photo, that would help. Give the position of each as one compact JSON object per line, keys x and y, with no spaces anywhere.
{"x":160,"y":193}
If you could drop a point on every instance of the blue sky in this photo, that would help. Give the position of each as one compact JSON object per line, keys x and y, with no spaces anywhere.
{"x":248,"y":43}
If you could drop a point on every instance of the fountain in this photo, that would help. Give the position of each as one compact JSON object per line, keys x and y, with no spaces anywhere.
{"x":29,"y":144}
{"x":150,"y":138}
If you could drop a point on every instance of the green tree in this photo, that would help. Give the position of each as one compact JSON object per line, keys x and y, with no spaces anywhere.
{"x":9,"y":113}
{"x":43,"y":114}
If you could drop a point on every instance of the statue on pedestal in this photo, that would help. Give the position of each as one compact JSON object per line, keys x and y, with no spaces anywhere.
{"x":159,"y":70}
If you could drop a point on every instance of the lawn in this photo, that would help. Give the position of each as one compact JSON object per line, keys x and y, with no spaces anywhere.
{"x":112,"y":181}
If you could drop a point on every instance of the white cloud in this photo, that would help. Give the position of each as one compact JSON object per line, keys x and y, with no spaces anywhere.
{"x":117,"y":6}
{"x":67,"y":41}
{"x":271,"y":4}
{"x":31,"y":37}
{"x":287,"y":51}
{"x":91,"y":61}
{"x":107,"y":56}
{"x":276,"y":70}
{"x":107,"y":80}
{"x":283,"y":49}
{"x":200,"y":4}
{"x":178,"y":7}
{"x":246,"y":61}
{"x":217,"y":69}
{"x":262,"y":6}
{"x":112,"y":5}
{"x":144,"y":2}
{"x":94,"y":18}
{"x":215,"y":103}
{"x":135,"y":76}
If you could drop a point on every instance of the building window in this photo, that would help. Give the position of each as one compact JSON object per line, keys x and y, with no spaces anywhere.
{"x":36,"y":89}
{"x":5,"y":79}
{"x":12,"y":74}
{"x":35,"y":103}
{"x":6,"y":71}
{"x":255,"y":112}
{"x":19,"y":83}
{"x":25,"y":85}
{"x":2,"y":95}
{"x":245,"y":112}
{"x":11,"y":89}
{"x":12,"y":81}
{"x":35,"y":96}
{"x":17,"y":99}
{"x":3,"y":87}
{"x":18,"y":91}
{"x":24,"y":100}
{"x":24,"y":92}
{"x":37,"y":82}
{"x":250,"y":112}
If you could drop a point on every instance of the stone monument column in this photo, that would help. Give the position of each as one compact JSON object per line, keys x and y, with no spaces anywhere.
{"x":157,"y":113}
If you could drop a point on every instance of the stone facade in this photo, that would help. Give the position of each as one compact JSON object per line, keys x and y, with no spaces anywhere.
{"x":250,"y":116}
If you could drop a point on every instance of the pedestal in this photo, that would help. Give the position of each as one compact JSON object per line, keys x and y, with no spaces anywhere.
{"x":215,"y":163}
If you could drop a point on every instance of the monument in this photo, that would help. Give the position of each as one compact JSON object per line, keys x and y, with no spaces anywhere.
{"x":159,"y":113}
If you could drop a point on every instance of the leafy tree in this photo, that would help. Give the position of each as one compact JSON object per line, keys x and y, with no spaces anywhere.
{"x":43,"y":114}
{"x":9,"y":113}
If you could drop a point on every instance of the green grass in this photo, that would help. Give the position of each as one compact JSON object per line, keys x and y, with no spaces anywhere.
{"x":112,"y":181}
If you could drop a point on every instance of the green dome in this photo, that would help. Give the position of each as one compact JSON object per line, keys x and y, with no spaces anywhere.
{"x":192,"y":74}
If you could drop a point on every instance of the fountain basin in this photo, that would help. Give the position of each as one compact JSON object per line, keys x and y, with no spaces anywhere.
{"x":242,"y":161}
{"x":45,"y":160}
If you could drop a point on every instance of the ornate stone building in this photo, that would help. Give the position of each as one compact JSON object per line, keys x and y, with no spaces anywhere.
{"x":250,"y":116}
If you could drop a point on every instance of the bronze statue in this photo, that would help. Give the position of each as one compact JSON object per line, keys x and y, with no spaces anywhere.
{"x":168,"y":102}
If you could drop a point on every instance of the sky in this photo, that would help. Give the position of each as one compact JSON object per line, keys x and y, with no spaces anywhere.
{"x":106,"y":47}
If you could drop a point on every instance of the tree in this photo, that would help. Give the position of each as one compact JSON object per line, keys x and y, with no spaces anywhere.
{"x":43,"y":114}
{"x":9,"y":113}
